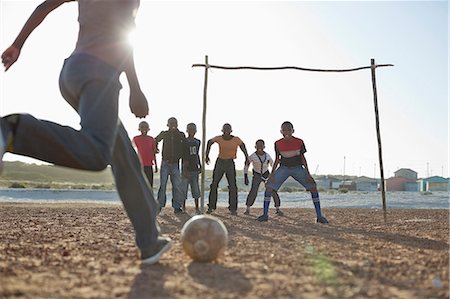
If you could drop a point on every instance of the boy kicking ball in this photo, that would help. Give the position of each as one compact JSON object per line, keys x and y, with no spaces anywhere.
{"x":290,"y":155}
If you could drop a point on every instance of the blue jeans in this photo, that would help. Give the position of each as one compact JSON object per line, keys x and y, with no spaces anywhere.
{"x":92,"y":88}
{"x":191,"y":178}
{"x":283,"y":173}
{"x":172,"y":170}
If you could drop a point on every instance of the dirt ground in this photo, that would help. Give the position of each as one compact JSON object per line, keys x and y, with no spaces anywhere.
{"x":88,"y":251}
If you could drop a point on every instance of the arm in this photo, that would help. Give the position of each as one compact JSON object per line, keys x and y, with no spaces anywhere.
{"x":138,"y":102}
{"x":244,"y":150}
{"x":208,"y":148}
{"x":10,"y":56}
{"x":155,"y":151}
{"x":246,"y":166}
{"x":159,"y":138}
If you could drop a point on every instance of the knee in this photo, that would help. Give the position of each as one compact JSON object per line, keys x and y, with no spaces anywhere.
{"x":100,"y":165}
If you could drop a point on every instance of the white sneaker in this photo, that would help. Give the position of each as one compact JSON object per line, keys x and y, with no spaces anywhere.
{"x":152,"y":255}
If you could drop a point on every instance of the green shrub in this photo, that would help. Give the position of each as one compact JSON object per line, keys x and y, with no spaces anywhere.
{"x":17,"y":185}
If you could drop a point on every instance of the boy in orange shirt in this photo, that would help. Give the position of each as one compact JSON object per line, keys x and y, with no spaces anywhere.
{"x":228,"y":145}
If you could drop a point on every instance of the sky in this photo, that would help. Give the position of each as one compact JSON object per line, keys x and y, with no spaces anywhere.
{"x":332,"y":112}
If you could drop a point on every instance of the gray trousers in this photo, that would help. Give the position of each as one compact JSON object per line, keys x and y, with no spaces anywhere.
{"x":92,"y":88}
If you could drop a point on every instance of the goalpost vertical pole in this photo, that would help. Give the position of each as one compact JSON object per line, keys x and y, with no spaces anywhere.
{"x":377,"y":124}
{"x":202,"y":197}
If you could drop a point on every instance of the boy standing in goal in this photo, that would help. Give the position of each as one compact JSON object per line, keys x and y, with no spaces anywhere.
{"x":290,"y":155}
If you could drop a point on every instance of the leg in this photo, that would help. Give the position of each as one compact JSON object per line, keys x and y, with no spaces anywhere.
{"x":218,"y":173}
{"x":310,"y":185}
{"x":164,"y":177}
{"x":148,"y":170}
{"x":134,"y":191}
{"x":231,"y":178}
{"x":276,"y":199}
{"x":256,"y":181}
{"x":177,"y":189}
{"x":185,"y":188}
{"x":92,"y":88}
{"x":195,"y":188}
{"x":280,"y":175}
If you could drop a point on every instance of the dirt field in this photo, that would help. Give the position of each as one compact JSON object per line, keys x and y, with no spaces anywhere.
{"x":88,"y":251}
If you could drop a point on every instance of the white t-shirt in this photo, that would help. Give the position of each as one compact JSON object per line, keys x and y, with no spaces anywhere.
{"x":259,"y":163}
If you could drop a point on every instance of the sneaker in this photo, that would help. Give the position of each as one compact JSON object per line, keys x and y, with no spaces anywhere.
{"x":178,"y":211}
{"x":279,"y":213}
{"x":161,"y":211}
{"x":152,"y":255}
{"x":247,"y":212}
{"x":209,"y":211}
{"x":233,"y":212}
{"x":322,"y":219}
{"x":263,"y":218}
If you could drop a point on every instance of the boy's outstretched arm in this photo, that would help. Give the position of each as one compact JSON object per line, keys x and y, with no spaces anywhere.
{"x":208,"y":148}
{"x":138,"y":101}
{"x":244,"y":150}
{"x":12,"y":53}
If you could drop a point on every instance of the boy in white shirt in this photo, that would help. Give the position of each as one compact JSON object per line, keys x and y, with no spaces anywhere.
{"x":260,"y":161}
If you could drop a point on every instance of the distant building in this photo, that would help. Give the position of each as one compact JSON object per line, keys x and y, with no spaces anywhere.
{"x":336,"y":184}
{"x":406,"y":173}
{"x":404,"y":179}
{"x":367,"y":184}
{"x":434,"y":183}
{"x":412,"y":186}
{"x":323,"y":183}
{"x":396,"y":184}
{"x":349,"y":185}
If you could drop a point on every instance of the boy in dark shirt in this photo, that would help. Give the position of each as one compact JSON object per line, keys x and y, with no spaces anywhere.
{"x":191,"y":166}
{"x":173,"y":142}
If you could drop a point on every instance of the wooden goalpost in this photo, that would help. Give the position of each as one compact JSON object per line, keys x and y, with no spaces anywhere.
{"x":372,"y":67}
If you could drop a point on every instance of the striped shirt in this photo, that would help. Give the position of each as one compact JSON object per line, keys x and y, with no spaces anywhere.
{"x":290,"y":151}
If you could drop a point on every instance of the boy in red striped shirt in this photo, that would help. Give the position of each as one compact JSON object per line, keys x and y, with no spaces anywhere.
{"x":290,"y":155}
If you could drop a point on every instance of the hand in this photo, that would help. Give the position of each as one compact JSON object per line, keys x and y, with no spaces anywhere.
{"x":246,"y":179}
{"x":138,"y":103}
{"x":10,"y":56}
{"x":207,"y":160}
{"x":156,"y":169}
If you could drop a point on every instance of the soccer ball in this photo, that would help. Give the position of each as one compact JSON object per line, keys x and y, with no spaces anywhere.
{"x":204,"y":238}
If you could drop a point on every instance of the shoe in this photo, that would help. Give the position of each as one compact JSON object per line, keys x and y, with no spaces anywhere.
{"x":178,"y":211}
{"x":263,"y":218}
{"x":150,"y":256}
{"x":279,"y":213}
{"x":209,"y":211}
{"x":197,"y":212}
{"x":161,"y":211}
{"x":233,"y":212}
{"x":247,"y":212}
{"x":322,"y":219}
